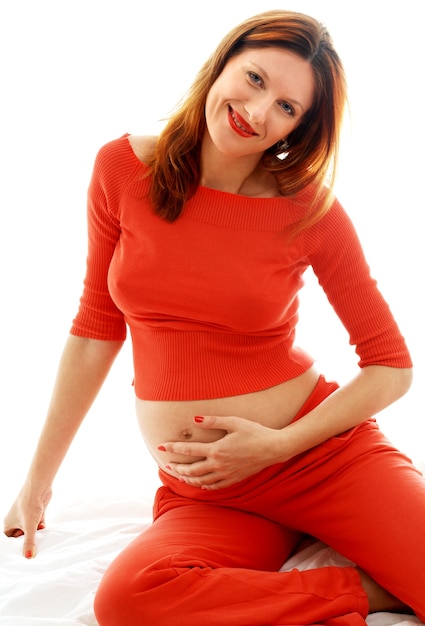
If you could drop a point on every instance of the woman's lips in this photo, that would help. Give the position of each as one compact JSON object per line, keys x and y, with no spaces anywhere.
{"x":239,"y":125}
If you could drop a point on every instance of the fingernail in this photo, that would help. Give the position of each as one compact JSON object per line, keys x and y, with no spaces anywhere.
{"x":168,"y":467}
{"x":29,"y":554}
{"x":199,"y":419}
{"x":162,"y":448}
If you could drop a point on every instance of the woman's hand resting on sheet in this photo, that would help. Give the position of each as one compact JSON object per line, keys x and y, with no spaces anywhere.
{"x":26,"y":517}
{"x":246,"y":448}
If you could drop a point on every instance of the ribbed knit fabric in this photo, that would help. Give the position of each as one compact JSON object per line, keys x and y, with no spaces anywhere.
{"x":212,"y":299}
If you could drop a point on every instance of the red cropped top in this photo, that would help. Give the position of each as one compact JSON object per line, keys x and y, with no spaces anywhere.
{"x":211,"y":300}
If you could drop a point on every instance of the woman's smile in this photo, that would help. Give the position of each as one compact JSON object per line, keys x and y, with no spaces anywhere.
{"x":240,"y":125}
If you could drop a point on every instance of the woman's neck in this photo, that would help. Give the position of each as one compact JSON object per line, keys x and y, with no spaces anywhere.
{"x":234,"y":174}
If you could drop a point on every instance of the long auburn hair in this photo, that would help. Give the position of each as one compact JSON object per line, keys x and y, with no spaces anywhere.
{"x":313,"y":146}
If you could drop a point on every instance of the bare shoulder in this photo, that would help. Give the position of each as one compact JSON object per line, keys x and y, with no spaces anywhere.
{"x":143,"y":146}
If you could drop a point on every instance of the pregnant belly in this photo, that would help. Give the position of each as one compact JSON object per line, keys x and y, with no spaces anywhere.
{"x":163,"y":422}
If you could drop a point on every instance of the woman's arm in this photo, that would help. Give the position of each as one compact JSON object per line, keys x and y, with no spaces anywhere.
{"x":84,"y":366}
{"x":371,"y":391}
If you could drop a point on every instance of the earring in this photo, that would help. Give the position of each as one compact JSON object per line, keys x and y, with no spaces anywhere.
{"x":282,"y":145}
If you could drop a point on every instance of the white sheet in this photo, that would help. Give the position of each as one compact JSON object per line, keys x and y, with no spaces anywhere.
{"x":57,"y":587}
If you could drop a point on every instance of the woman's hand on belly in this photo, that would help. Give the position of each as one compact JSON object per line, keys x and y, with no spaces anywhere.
{"x":246,"y":448}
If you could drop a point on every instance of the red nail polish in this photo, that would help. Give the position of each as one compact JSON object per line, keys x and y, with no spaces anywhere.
{"x":199,"y":419}
{"x":162,"y":448}
{"x":28,"y":554}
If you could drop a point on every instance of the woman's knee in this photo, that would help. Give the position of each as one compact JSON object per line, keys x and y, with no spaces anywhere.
{"x":125,"y":598}
{"x":112,"y":601}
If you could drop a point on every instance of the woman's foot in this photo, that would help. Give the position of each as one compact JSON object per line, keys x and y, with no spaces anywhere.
{"x":379,"y":598}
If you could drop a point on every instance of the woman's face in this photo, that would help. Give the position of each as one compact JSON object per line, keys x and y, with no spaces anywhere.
{"x":259,"y":98}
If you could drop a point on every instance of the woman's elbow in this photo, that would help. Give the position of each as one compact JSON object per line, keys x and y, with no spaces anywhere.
{"x":399,"y":380}
{"x":405,"y":376}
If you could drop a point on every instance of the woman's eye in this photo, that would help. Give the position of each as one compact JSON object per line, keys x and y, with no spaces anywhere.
{"x":287,"y":108}
{"x":255,"y":78}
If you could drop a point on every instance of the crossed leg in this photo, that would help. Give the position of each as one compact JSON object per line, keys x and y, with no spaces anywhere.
{"x":202,"y":565}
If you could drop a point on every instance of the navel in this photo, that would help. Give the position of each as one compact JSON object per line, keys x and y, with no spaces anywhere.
{"x":186,"y":434}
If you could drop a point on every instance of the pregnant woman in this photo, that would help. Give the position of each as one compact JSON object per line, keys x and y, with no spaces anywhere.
{"x":198,"y":242}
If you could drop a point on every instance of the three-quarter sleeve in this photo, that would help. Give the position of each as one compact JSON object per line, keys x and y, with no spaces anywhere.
{"x":98,"y":317}
{"x":338,"y":260}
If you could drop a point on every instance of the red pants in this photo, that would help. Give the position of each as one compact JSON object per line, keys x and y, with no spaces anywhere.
{"x":211,"y":557}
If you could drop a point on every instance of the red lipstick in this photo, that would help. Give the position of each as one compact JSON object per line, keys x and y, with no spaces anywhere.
{"x":239,"y":125}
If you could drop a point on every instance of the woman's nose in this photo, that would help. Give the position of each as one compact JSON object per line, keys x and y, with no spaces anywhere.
{"x":257,"y":110}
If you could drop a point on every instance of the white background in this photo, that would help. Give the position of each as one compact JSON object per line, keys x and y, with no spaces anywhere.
{"x":75,"y":74}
